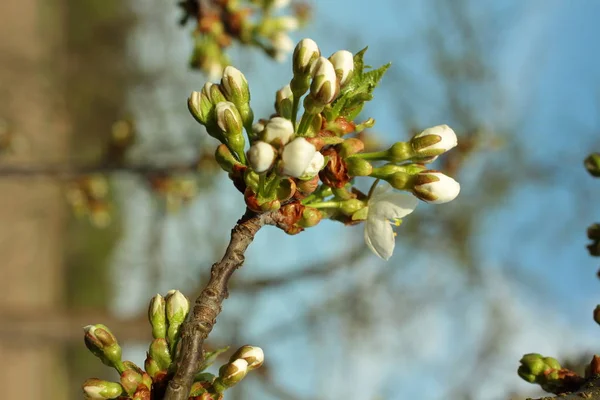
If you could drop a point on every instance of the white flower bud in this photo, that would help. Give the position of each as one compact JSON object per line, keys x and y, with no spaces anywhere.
{"x":253,"y":355}
{"x":228,"y":118}
{"x":287,"y":23}
{"x":258,"y":127}
{"x":324,"y":88}
{"x":232,"y":373}
{"x":315,"y":165}
{"x":261,"y":156}
{"x":278,"y":131}
{"x":282,"y":44}
{"x":235,"y":86}
{"x":435,"y":187}
{"x":343,"y":63}
{"x":296,"y":157}
{"x":177,"y":306}
{"x":284,"y":99}
{"x":305,"y":54}
{"x":434,"y":141}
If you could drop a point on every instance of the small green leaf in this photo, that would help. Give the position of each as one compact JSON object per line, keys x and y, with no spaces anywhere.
{"x":211,"y":356}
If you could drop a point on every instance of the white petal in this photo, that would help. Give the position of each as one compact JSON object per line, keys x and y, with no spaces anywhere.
{"x":385,"y":204}
{"x":379,"y":237}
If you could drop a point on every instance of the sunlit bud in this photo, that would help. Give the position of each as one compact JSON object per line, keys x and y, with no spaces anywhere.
{"x":228,"y":118}
{"x":350,"y":146}
{"x":287,"y":23}
{"x":282,"y":45}
{"x":435,"y":187}
{"x":200,"y":107}
{"x":99,"y":389}
{"x":233,"y":372}
{"x":358,"y":166}
{"x":159,"y":351}
{"x":225,"y":158}
{"x":305,"y":54}
{"x":103,"y":344}
{"x":152,"y":368}
{"x":143,"y":393}
{"x":343,"y":63}
{"x":130,"y":380}
{"x":351,"y":206}
{"x":261,"y":156}
{"x":284,"y":99}
{"x":296,"y":157}
{"x":254,"y":356}
{"x":592,"y":164}
{"x":324,"y":86}
{"x":278,"y":131}
{"x":178,"y":307}
{"x":434,"y":141}
{"x":316,"y":164}
{"x":235,"y":86}
{"x":258,"y":127}
{"x":157,"y":316}
{"x":535,"y":366}
{"x":310,"y":217}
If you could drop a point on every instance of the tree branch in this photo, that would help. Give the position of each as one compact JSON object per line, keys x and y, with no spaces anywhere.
{"x":208,"y":304}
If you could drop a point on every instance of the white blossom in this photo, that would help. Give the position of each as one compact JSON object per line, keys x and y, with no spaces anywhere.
{"x":343,"y":63}
{"x":305,"y":54}
{"x":324,"y":83}
{"x":435,"y":187}
{"x":278,"y":131}
{"x":261,"y":156}
{"x":315,"y":165}
{"x":442,"y":139}
{"x":296,"y":157}
{"x":385,"y":206}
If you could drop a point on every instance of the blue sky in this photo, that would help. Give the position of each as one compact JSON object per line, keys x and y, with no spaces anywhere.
{"x":546,"y":61}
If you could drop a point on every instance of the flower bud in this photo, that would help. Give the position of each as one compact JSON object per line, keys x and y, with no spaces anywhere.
{"x":536,"y":368}
{"x":261,"y":156}
{"x":233,"y":372}
{"x":305,"y":54}
{"x":307,"y":187}
{"x":130,"y":380}
{"x":434,"y":141}
{"x":152,"y":368}
{"x":159,"y":351}
{"x":228,"y":118}
{"x":351,"y":206}
{"x":177,"y":307}
{"x":350,"y":146}
{"x":282,"y":45}
{"x":99,"y":389}
{"x":235,"y":86}
{"x":200,"y":107}
{"x":314,"y":166}
{"x":296,"y":157}
{"x":284,"y":99}
{"x":324,"y":87}
{"x":592,"y":164}
{"x":254,"y":356}
{"x":435,"y":187}
{"x":225,"y":158}
{"x":278,"y":131}
{"x":310,"y":217}
{"x":343,"y":63}
{"x":157,"y":316}
{"x":258,"y":127}
{"x":358,"y":167}
{"x":103,"y":344}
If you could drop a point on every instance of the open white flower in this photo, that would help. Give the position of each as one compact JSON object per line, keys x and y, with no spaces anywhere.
{"x":384,"y":208}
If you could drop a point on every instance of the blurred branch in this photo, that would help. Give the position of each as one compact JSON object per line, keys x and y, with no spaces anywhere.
{"x":72,"y":171}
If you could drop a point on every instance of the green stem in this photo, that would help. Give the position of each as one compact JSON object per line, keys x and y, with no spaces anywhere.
{"x":326,"y":204}
{"x":305,"y":123}
{"x":377,"y":155}
{"x":295,"y":107}
{"x":272,"y":187}
{"x":262,"y":182}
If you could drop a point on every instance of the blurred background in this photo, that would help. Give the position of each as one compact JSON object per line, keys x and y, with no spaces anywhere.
{"x":473,"y":284}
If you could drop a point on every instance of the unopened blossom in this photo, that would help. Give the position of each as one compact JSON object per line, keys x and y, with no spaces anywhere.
{"x":235,"y":86}
{"x":278,"y":131}
{"x":343,"y":63}
{"x":324,"y":84}
{"x":384,"y":206}
{"x":305,"y":54}
{"x":282,"y":44}
{"x":315,"y":165}
{"x":296,"y":157}
{"x":261,"y":156}
{"x":434,"y":141}
{"x":435,"y":187}
{"x":253,"y":355}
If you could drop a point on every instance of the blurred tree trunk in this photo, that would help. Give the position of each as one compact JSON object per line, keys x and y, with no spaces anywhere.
{"x":32,"y":214}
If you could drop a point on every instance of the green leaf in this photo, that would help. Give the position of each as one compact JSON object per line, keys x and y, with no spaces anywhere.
{"x":358,"y":91}
{"x":210,"y":357}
